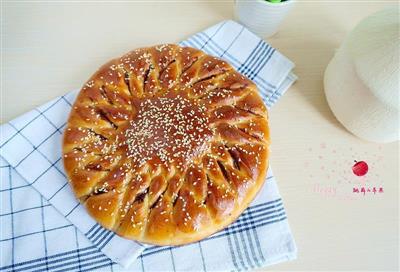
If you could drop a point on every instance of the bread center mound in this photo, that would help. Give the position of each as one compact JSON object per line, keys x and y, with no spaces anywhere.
{"x":172,"y":129}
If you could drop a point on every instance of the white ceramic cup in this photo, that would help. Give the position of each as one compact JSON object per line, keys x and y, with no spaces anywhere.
{"x":262,"y":17}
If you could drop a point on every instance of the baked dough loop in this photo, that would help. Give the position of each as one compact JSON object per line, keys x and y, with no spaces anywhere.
{"x":166,"y":145}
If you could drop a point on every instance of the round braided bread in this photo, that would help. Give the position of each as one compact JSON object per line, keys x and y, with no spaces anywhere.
{"x":166,"y":145}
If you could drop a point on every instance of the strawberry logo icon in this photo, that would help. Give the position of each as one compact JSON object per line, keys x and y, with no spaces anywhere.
{"x":360,"y":168}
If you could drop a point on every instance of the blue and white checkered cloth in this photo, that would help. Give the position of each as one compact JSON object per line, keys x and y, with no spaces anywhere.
{"x":44,"y":228}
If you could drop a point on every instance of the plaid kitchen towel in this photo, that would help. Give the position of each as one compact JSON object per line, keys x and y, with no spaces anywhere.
{"x":43,"y":227}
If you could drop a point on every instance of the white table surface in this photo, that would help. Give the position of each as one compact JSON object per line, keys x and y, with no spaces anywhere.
{"x":51,"y":48}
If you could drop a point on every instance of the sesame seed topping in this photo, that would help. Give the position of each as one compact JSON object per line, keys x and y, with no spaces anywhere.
{"x":167,"y":130}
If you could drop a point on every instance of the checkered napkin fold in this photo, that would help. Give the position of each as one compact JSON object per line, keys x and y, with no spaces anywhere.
{"x":45,"y":228}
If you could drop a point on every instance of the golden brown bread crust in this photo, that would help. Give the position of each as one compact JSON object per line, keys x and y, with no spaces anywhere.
{"x":166,"y":145}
